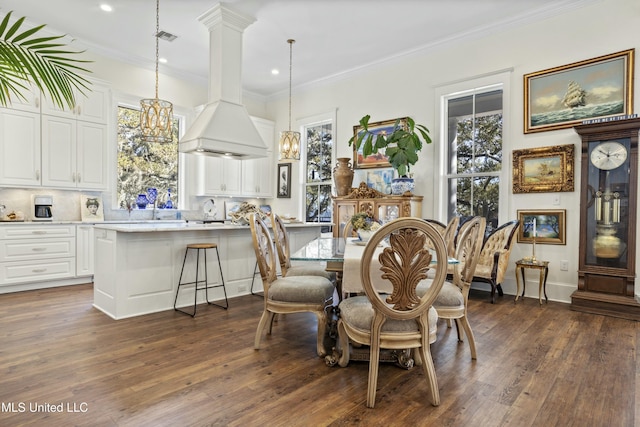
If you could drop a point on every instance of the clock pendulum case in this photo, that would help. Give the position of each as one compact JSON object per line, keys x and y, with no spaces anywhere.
{"x":608,"y":199}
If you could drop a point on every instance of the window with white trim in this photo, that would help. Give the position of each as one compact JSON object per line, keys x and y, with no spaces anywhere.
{"x":473,"y":136}
{"x":318,"y":159}
{"x":143,"y":165}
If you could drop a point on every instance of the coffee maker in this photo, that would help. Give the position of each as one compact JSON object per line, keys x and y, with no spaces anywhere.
{"x":42,"y":208}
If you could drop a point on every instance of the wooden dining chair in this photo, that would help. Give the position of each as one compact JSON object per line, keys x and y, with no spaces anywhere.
{"x":401,"y":320}
{"x":293,"y":294}
{"x":281,"y":239}
{"x":452,"y":300}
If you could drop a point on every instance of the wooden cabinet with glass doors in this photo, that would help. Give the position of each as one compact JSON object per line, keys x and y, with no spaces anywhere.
{"x":383,"y":207}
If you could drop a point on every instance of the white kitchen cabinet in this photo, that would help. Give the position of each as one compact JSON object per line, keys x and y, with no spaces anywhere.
{"x":257,"y":177}
{"x":19,"y":148}
{"x":37,"y":253}
{"x":30,"y":103}
{"x":221,"y":176}
{"x":84,"y":250}
{"x":257,"y":174}
{"x":93,"y":106}
{"x":73,"y":153}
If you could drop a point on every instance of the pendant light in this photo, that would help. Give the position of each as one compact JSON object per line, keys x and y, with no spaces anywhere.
{"x":290,"y":140}
{"x":156,"y":116}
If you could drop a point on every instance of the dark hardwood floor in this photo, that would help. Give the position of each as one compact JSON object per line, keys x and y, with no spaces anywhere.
{"x":537,"y":366}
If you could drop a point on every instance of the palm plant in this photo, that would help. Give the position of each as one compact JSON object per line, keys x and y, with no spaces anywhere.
{"x":26,"y":58}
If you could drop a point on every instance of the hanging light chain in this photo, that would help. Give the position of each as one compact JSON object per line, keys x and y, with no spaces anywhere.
{"x":157,"y":42}
{"x":291,"y":42}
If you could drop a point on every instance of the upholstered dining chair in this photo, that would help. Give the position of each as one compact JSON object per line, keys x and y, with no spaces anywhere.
{"x":494,"y":257}
{"x":292,"y":294}
{"x":451,"y":302}
{"x":437,"y":224}
{"x":401,"y":320}
{"x":281,"y":238}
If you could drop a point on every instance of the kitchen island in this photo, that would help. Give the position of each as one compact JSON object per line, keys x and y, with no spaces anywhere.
{"x":137,"y":266}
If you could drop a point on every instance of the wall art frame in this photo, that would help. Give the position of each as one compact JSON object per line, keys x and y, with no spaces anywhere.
{"x":544,"y":169}
{"x":561,"y":97}
{"x":550,"y":226}
{"x":284,"y":180}
{"x":378,"y":160}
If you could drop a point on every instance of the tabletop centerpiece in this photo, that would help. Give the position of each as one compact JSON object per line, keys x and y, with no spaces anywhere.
{"x":364,"y":225}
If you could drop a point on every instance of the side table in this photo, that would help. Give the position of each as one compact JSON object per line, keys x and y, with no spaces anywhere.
{"x":542,"y":267}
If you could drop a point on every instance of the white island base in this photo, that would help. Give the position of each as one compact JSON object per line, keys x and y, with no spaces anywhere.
{"x":137,"y":266}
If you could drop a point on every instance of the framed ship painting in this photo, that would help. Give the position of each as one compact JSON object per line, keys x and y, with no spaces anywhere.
{"x":564,"y":96}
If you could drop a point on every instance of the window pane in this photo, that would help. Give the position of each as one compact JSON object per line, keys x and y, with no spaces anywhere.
{"x":474,"y":135}
{"x":318,"y":153}
{"x":143,"y":165}
{"x":318,"y":203}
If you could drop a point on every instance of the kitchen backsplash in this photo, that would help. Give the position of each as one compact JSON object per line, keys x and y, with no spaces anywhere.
{"x":66,"y":206}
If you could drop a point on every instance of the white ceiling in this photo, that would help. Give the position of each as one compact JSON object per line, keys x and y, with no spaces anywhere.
{"x":332,"y":36}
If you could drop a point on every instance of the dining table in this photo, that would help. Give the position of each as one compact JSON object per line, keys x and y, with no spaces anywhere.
{"x":343,"y":256}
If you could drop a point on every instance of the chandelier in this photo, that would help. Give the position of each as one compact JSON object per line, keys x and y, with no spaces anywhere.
{"x":290,"y":140}
{"x":156,"y":116}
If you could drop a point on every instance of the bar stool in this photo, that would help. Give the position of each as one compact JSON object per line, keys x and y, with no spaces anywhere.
{"x":207,"y":286}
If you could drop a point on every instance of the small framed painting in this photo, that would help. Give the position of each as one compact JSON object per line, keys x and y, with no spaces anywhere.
{"x":284,"y":180}
{"x":543,"y":169}
{"x":91,"y":209}
{"x":545,"y":226}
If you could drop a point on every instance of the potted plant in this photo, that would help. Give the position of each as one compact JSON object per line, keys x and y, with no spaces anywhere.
{"x":401,"y":147}
{"x":27,"y":57}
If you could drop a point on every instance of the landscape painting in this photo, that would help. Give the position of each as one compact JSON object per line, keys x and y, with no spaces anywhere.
{"x":377,"y":160}
{"x":549,"y":226}
{"x":543,"y":169}
{"x":564,"y":96}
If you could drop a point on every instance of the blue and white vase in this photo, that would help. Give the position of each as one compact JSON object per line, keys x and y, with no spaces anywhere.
{"x":142,"y":201}
{"x":169,"y":204}
{"x":399,"y":186}
{"x":152,"y":195}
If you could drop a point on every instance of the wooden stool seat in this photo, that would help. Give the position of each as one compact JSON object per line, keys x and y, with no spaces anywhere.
{"x":200,"y":285}
{"x":202,"y":246}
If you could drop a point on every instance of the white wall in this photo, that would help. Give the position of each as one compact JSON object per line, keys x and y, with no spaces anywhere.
{"x":407,"y":87}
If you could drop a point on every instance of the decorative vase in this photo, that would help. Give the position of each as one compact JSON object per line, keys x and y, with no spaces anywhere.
{"x":169,"y":204}
{"x":364,"y":235}
{"x":152,"y":195}
{"x":343,"y":176}
{"x":142,"y":201}
{"x":399,"y":186}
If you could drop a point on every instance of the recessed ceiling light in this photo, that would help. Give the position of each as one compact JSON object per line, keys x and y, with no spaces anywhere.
{"x":163,"y":60}
{"x":106,"y":8}
{"x":275,"y":72}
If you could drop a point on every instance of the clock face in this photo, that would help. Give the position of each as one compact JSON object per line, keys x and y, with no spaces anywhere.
{"x":608,"y":155}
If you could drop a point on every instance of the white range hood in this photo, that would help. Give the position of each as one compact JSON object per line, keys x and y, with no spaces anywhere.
{"x":224,"y":127}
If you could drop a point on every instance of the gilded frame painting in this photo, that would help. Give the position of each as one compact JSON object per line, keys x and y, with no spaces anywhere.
{"x":543,"y":169}
{"x":378,"y":160}
{"x":562,"y":97}
{"x":550,"y":226}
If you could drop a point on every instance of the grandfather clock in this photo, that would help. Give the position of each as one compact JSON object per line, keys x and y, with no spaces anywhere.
{"x":608,"y":195}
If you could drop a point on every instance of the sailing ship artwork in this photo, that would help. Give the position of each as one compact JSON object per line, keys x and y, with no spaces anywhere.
{"x":568,"y":95}
{"x":575,"y":96}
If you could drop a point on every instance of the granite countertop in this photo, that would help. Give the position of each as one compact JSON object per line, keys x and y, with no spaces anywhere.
{"x":152,"y":226}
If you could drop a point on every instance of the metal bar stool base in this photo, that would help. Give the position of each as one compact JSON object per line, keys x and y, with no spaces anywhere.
{"x":201,"y":285}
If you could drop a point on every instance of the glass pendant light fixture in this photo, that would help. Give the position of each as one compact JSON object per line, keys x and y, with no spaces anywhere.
{"x":156,"y":116}
{"x":290,"y":140}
